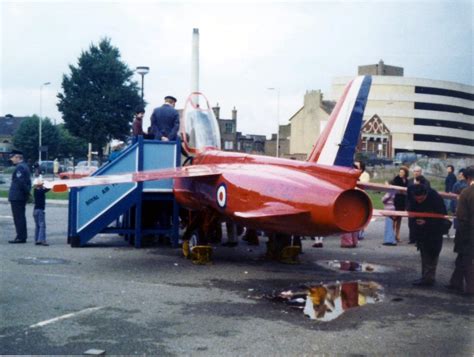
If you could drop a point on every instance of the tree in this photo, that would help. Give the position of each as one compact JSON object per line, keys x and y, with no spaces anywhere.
{"x":99,"y":96}
{"x":26,"y":138}
{"x":70,"y":145}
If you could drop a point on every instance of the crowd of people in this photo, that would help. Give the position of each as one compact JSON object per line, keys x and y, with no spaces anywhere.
{"x":427,"y":233}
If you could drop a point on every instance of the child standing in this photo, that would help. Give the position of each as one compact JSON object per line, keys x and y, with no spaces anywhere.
{"x":39,"y":211}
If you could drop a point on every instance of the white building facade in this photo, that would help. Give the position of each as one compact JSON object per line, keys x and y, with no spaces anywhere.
{"x":430,"y":117}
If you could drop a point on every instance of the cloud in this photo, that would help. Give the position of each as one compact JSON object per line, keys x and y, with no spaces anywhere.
{"x":245,"y":47}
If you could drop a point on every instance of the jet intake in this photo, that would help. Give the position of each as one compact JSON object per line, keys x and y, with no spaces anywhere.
{"x":352,"y":210}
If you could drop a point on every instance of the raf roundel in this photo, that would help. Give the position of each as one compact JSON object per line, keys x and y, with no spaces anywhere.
{"x":221,"y":195}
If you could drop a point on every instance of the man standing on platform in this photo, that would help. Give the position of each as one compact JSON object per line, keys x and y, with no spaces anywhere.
{"x":18,"y":195}
{"x":165,"y":121}
{"x":137,"y":125}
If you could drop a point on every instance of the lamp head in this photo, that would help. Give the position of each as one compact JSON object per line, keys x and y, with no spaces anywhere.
{"x":142,"y":70}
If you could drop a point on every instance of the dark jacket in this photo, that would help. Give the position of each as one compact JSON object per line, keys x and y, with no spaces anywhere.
{"x":449,"y":182}
{"x":429,"y":236}
{"x":400,"y":199}
{"x":457,"y":189}
{"x":21,"y":183}
{"x":165,"y":122}
{"x":464,"y":240}
{"x":40,"y":197}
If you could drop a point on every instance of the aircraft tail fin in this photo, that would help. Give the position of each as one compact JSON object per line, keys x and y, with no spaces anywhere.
{"x":336,"y":144}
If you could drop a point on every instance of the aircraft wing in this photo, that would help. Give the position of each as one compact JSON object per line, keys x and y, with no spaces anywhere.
{"x":152,"y":175}
{"x":380,"y":187}
{"x":410,"y":214}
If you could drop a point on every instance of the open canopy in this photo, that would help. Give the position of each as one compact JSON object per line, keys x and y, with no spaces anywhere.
{"x":199,"y":127}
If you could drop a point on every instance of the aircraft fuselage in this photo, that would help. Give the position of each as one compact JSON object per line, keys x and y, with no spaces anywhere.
{"x":278,"y":195}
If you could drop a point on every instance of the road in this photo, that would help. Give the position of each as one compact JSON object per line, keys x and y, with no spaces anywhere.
{"x":151,"y":301}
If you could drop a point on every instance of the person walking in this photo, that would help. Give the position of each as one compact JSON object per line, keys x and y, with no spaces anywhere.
{"x":450,"y":179}
{"x":462,"y":279}
{"x":458,"y":187}
{"x":55,"y":168}
{"x":427,"y":231}
{"x":389,"y":232}
{"x":399,"y":200}
{"x":165,"y":121}
{"x":364,"y":177}
{"x":18,"y":195}
{"x":39,"y":215}
{"x":449,"y":183}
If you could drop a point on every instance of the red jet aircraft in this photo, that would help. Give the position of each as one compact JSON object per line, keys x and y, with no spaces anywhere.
{"x":313,"y":198}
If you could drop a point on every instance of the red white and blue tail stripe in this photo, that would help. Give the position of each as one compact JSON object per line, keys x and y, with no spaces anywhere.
{"x":337,"y":143}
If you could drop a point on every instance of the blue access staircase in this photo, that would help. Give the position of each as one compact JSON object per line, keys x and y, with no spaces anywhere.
{"x":117,"y":208}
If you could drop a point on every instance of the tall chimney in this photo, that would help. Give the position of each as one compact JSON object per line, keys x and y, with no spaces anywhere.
{"x":217,"y":111}
{"x":195,"y":62}
{"x":234,"y":114}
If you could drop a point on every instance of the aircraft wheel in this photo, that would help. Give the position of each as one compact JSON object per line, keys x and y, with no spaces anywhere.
{"x":189,"y":244}
{"x":195,"y":239}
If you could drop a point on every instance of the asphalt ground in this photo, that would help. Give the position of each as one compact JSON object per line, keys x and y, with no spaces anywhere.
{"x":151,"y":301}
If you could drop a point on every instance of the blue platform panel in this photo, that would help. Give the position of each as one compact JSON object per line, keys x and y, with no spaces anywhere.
{"x":159,"y":155}
{"x":93,"y":201}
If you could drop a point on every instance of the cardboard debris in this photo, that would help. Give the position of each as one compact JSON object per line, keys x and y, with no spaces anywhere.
{"x":325,"y":302}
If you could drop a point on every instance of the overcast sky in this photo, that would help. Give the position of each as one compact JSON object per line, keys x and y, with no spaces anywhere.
{"x":245,"y":48}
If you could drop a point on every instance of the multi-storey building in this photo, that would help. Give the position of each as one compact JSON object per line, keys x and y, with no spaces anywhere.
{"x":430,"y":117}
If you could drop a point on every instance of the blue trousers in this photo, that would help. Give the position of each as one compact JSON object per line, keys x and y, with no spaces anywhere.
{"x":40,"y":225}
{"x":389,"y":233}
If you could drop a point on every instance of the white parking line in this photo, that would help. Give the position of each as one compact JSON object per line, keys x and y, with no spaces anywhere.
{"x":7,"y":217}
{"x":67,"y":316}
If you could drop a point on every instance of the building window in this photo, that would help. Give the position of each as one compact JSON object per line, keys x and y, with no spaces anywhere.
{"x":229,"y":128}
{"x":228,"y":145}
{"x":444,"y":108}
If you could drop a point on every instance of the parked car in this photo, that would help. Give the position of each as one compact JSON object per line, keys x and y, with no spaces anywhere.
{"x":47,"y":167}
{"x":407,"y":158}
{"x":371,"y":159}
{"x":82,"y":169}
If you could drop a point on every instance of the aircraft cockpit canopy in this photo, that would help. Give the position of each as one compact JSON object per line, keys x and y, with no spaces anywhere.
{"x":199,"y":128}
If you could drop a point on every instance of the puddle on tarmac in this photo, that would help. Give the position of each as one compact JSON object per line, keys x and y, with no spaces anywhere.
{"x":326,"y":302}
{"x":41,"y":261}
{"x":347,"y":265}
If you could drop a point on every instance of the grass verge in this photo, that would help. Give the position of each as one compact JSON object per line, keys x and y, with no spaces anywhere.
{"x":49,"y":195}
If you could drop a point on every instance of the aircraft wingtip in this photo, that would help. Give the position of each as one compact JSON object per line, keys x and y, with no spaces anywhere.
{"x":62,"y":187}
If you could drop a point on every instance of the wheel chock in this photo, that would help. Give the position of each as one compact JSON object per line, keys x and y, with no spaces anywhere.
{"x":186,"y":249}
{"x":289,"y":254}
{"x":201,"y":254}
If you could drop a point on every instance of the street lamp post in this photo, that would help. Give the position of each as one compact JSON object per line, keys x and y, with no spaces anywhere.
{"x":142,"y":70}
{"x":40,"y":118}
{"x":278,"y":120}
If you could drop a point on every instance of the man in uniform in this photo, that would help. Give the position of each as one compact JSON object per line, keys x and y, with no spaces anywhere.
{"x":165,"y":121}
{"x":18,"y":195}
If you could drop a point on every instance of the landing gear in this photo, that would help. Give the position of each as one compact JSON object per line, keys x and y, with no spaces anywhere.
{"x":283,"y":248}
